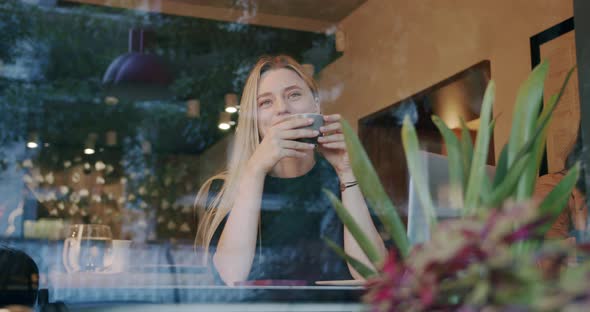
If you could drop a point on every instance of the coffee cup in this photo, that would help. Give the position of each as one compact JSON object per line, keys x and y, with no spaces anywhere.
{"x":318,"y":121}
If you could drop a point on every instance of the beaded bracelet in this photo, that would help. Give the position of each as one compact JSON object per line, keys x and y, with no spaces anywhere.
{"x":344,"y":186}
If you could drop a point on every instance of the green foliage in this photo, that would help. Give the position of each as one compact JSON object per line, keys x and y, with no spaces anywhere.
{"x":373,"y":190}
{"x":470,"y":186}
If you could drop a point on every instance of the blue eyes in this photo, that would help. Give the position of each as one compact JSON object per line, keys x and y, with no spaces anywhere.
{"x":291,"y":97}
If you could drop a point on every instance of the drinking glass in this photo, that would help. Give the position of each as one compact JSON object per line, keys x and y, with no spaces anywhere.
{"x":87,"y":248}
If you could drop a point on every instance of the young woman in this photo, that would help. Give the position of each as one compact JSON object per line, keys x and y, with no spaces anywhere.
{"x":267,"y":214}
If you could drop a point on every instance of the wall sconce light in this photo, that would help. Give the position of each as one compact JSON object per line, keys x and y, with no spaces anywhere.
{"x":224,"y":121}
{"x":231,"y":103}
{"x":33,"y":140}
{"x":89,"y":150}
{"x":193,"y":108}
{"x":90,"y":145}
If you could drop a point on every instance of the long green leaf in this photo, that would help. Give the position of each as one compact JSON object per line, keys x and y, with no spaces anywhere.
{"x":360,"y":267}
{"x":455,"y":162}
{"x":548,"y":109}
{"x":466,"y":153}
{"x":508,"y":184}
{"x":480,"y":153}
{"x":415,"y":167}
{"x":526,"y":109}
{"x":486,"y":189}
{"x":538,"y":140}
{"x":373,"y":190}
{"x":546,"y":115}
{"x":554,"y":203}
{"x":355,"y":230}
{"x":501,"y":167}
{"x":531,"y":171}
{"x":541,"y":143}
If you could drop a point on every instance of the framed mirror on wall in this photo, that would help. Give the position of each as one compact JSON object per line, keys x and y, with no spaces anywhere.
{"x":452,"y":99}
{"x":558,"y":45}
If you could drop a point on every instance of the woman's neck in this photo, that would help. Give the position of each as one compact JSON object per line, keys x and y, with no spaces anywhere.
{"x":291,"y":167}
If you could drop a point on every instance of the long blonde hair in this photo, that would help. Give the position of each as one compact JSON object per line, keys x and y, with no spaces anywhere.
{"x":246,"y":140}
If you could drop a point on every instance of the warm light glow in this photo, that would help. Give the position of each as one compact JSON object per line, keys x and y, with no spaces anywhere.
{"x":32,"y":145}
{"x":225,"y":121}
{"x":111,"y":100}
{"x":231,"y":103}
{"x":231,"y":109}
{"x":88,"y":151}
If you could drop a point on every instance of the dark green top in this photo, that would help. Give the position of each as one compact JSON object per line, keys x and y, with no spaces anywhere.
{"x":295,"y":215}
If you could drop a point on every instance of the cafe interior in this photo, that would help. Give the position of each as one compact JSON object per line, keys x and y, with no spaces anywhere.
{"x":114,"y":113}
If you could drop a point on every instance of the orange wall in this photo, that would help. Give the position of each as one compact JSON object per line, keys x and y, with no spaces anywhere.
{"x":395,"y":48}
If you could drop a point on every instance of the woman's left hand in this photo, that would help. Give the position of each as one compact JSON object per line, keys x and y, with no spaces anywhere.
{"x":332,"y":145}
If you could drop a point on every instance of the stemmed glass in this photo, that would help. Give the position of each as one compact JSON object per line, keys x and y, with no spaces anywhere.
{"x":87,"y":248}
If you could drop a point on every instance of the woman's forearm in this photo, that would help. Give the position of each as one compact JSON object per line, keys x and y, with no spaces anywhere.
{"x":354,"y":203}
{"x":237,"y":244}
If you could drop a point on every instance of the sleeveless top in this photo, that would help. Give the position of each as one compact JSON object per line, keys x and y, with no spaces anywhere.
{"x":295,"y":217}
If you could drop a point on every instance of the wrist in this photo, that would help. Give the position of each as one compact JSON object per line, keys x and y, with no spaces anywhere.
{"x":347,"y":180}
{"x":254,"y":171}
{"x":346,"y":176}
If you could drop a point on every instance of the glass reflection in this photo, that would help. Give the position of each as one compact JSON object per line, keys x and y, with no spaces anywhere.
{"x":110,"y":116}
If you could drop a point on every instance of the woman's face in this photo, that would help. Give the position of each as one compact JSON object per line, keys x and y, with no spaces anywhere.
{"x":282,"y":92}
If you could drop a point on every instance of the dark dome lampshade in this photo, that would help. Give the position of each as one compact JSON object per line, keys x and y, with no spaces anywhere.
{"x":136,"y":75}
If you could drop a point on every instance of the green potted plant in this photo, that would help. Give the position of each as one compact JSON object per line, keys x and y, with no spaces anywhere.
{"x":489,"y":257}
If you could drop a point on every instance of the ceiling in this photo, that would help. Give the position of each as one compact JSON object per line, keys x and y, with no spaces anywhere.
{"x":63,"y":97}
{"x":305,"y":15}
{"x":325,"y":10}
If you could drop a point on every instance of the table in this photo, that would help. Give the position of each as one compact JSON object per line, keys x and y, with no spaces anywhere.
{"x":166,"y":288}
{"x":232,"y":307}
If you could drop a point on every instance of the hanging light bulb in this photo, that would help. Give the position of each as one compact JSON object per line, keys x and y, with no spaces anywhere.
{"x":33,"y":140}
{"x":193,"y":108}
{"x":137,"y":75}
{"x":231,"y":103}
{"x":224,"y":121}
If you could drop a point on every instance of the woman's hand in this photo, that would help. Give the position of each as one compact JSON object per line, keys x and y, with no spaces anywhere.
{"x":333,"y":146}
{"x":279,"y":143}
